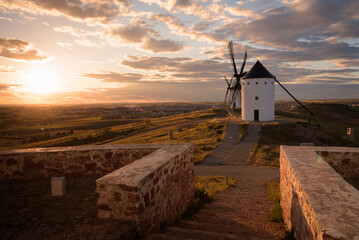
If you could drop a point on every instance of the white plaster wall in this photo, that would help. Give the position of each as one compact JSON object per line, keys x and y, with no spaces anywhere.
{"x":265,"y":103}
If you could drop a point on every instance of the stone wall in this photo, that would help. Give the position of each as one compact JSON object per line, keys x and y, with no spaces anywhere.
{"x":69,"y":161}
{"x":152,"y":190}
{"x":317,"y":202}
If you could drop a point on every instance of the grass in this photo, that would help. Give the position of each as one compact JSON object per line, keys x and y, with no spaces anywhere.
{"x":273,"y":194}
{"x":92,"y":136}
{"x":213,"y":185}
{"x":275,"y":212}
{"x":205,"y":188}
{"x":321,"y":133}
{"x":271,"y":136}
{"x":205,"y":136}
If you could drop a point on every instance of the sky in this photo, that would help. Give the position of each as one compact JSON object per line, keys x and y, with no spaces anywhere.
{"x":121,"y":51}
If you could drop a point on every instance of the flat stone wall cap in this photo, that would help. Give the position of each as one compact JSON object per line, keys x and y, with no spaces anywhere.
{"x":134,"y":173}
{"x":334,"y":201}
{"x":88,"y":148}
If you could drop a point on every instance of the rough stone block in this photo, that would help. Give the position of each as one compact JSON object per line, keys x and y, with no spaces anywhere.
{"x":58,"y":186}
{"x":317,"y":203}
{"x":141,"y":193}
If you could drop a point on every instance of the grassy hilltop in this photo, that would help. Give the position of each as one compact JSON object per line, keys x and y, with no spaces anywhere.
{"x":54,"y":126}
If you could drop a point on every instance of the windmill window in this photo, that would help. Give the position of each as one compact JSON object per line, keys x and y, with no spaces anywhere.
{"x":265,"y":82}
{"x":256,"y":97}
{"x":256,"y":83}
{"x":247,"y":83}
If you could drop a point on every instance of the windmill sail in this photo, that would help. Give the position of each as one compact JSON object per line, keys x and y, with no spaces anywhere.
{"x":235,"y":88}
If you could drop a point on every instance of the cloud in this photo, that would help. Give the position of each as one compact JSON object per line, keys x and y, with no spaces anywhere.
{"x":77,"y":32}
{"x":189,"y":7}
{"x":6,"y":69}
{"x":79,"y":10}
{"x":64,"y":44}
{"x":110,"y":76}
{"x":139,"y":32}
{"x":5,"y":18}
{"x":19,"y":50}
{"x":184,"y":69}
{"x":242,"y":12}
{"x":86,"y":43}
{"x":135,"y":32}
{"x":178,"y":28}
{"x":162,"y":45}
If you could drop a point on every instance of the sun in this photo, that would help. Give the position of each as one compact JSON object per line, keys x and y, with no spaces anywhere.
{"x":41,"y":80}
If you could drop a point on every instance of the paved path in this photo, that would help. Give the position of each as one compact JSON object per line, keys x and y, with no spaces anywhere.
{"x":239,"y":212}
{"x":242,"y":150}
{"x":226,"y":146}
{"x":241,"y":172}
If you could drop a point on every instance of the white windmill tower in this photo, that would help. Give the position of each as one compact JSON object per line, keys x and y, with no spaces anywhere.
{"x":258,"y":94}
{"x":253,"y":91}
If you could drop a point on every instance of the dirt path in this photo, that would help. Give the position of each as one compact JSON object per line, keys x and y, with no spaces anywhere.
{"x":239,"y":212}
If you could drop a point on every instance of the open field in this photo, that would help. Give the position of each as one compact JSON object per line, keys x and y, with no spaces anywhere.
{"x":38,"y":136}
{"x":205,"y":135}
{"x":50,"y":126}
{"x":328,"y":128}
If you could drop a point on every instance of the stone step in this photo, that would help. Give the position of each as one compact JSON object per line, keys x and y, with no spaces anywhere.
{"x":185,"y":233}
{"x":203,"y":224}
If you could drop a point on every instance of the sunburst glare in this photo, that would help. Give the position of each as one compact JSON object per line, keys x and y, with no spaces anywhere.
{"x":41,"y":80}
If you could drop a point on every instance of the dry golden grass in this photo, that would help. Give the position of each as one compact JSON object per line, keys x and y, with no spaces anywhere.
{"x":205,"y":136}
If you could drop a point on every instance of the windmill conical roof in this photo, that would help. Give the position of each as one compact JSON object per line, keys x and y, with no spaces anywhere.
{"x":258,"y":71}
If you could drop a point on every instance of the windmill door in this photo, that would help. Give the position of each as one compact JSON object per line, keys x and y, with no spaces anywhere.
{"x":256,"y":115}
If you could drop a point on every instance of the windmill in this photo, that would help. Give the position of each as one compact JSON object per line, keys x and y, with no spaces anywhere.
{"x":234,"y":87}
{"x":256,"y":94}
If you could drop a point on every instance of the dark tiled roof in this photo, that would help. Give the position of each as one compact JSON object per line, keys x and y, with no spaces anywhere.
{"x":258,"y":71}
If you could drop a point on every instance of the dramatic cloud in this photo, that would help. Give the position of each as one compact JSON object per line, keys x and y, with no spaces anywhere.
{"x":181,"y":68}
{"x":178,"y":28}
{"x":306,"y":30}
{"x":15,"y":49}
{"x":190,"y":7}
{"x":164,"y":45}
{"x":140,"y":33}
{"x":132,"y":33}
{"x":177,"y":49}
{"x":114,"y":77}
{"x":80,"y":10}
{"x":242,"y":12}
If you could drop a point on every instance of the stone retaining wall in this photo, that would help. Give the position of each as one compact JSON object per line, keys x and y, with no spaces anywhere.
{"x":69,"y":161}
{"x":153,"y":190}
{"x":317,"y":202}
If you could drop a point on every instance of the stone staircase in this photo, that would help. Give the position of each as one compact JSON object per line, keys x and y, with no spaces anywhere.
{"x":238,"y":213}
